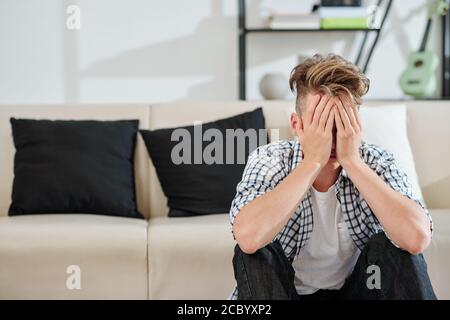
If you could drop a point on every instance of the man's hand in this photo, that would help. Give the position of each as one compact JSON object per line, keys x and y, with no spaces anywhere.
{"x":348,"y":137}
{"x":316,"y":134}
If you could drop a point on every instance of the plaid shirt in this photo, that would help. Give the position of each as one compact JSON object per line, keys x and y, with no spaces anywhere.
{"x":268,"y":165}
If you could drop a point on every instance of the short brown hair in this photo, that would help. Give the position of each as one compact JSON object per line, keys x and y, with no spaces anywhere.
{"x":332,"y":75}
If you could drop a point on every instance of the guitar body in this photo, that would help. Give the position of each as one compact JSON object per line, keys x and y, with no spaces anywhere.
{"x":419,"y":78}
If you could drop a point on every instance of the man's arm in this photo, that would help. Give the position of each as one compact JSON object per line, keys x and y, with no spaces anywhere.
{"x":405,"y":221}
{"x":260,"y":220}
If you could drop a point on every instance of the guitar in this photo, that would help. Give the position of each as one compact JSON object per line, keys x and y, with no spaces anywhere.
{"x":419,"y":78}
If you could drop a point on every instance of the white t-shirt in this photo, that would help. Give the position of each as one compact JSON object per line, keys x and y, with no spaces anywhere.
{"x":330,"y":255}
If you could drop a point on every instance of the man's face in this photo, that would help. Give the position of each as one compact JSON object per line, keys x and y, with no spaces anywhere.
{"x":307,"y":103}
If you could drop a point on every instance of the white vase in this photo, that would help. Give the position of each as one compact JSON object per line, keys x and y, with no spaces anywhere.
{"x":274,"y":86}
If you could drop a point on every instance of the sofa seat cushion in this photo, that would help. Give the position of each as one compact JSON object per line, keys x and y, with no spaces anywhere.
{"x":190,"y":258}
{"x":437,"y":254}
{"x":36,"y":251}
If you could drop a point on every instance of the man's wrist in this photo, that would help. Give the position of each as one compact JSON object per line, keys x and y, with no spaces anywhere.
{"x":313,"y":165}
{"x":352,"y":164}
{"x":309,"y":169}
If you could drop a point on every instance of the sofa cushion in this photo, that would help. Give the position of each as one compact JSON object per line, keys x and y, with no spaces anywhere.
{"x":168,"y":115}
{"x":37,"y":250}
{"x":386,"y":126}
{"x":190,"y":258}
{"x":199,"y":172}
{"x":68,"y":166}
{"x":74,"y":112}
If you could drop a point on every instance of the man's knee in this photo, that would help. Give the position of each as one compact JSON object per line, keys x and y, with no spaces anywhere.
{"x":264,"y":274}
{"x":266,"y":253}
{"x":401,"y":274}
{"x":270,"y":257}
{"x":379,"y":247}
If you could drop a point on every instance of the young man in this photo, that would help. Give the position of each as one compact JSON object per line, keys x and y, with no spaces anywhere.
{"x":328,"y":216}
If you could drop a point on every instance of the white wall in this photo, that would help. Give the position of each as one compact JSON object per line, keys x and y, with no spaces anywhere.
{"x":155,"y":50}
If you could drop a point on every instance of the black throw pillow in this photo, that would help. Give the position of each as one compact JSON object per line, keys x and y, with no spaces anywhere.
{"x":199,"y":166}
{"x":74,"y":167}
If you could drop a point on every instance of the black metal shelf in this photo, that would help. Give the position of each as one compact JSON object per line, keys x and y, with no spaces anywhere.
{"x":244,"y":32}
{"x":446,"y":56}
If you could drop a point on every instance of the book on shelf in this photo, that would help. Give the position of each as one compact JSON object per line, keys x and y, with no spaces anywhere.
{"x":346,"y":12}
{"x":326,"y":18}
{"x":347,"y":17}
{"x":294,"y":21}
{"x":345,"y":23}
{"x":341,"y":3}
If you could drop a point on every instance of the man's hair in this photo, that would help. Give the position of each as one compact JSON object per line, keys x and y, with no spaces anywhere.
{"x":331,"y":75}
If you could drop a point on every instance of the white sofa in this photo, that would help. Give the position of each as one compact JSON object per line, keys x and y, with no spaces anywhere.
{"x":175,"y":258}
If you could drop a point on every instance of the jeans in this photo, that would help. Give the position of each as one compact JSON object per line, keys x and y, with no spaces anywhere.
{"x":382,"y":272}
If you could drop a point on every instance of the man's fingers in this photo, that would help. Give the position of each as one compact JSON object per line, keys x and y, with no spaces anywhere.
{"x":338,"y":120}
{"x":353,"y":114}
{"x":350,"y":110}
{"x":320,"y":108}
{"x":330,"y":121}
{"x":324,"y":116}
{"x":310,"y":110}
{"x":344,"y":117}
{"x":358,"y":119}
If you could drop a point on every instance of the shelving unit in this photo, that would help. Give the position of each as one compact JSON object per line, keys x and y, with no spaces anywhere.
{"x":244,"y":32}
{"x":446,"y":56}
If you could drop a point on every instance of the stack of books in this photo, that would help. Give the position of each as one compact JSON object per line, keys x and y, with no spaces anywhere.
{"x":294,"y":21}
{"x":347,"y":17}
